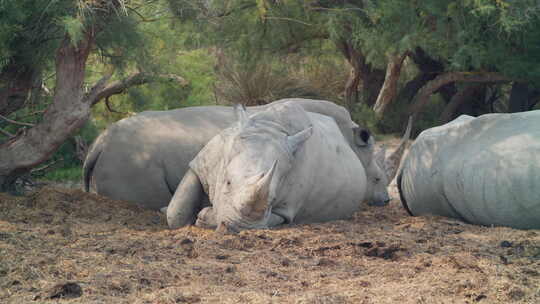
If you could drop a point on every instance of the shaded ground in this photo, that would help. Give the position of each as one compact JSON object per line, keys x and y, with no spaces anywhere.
{"x":64,"y":245}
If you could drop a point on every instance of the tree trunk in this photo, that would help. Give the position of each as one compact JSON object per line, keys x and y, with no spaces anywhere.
{"x":389,"y":88}
{"x":422,"y":98}
{"x":461,"y":97}
{"x":361,"y":72}
{"x":372,"y":82}
{"x":429,"y":69}
{"x":351,"y":88}
{"x":519,"y":97}
{"x":66,"y":114}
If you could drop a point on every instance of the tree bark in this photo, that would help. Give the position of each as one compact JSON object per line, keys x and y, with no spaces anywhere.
{"x":422,"y":97}
{"x":355,"y":59}
{"x":519,"y":97}
{"x":429,"y":69}
{"x":139,"y":78}
{"x":65,"y":115}
{"x":389,"y":88}
{"x":457,"y":100}
{"x":361,"y":72}
{"x":68,"y":112}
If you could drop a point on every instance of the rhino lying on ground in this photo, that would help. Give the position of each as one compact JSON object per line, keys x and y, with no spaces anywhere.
{"x":280,"y":165}
{"x":483,"y":170}
{"x":143,"y":158}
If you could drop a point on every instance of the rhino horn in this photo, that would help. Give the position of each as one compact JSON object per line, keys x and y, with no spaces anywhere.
{"x":391,"y":164}
{"x":241,"y":115}
{"x":296,"y":140}
{"x":259,"y":202}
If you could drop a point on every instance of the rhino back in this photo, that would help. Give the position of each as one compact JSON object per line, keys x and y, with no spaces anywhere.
{"x":327,"y":181}
{"x":486,"y":172}
{"x":146,"y":155}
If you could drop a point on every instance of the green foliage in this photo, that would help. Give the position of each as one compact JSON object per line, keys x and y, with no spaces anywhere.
{"x":64,"y":174}
{"x":74,"y":28}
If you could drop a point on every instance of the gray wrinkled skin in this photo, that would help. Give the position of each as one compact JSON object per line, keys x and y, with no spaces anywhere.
{"x":281,"y":165}
{"x":143,"y":158}
{"x":483,"y":170}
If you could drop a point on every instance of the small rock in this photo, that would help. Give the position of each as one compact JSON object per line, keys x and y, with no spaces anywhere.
{"x":364,"y":284}
{"x":373,"y":252}
{"x":186,"y":242}
{"x":230,"y":269}
{"x":221,"y":257}
{"x":324,"y":262}
{"x":285,"y":262}
{"x":516,"y":294}
{"x":480,"y":298}
{"x":64,"y":290}
{"x":506,"y":244}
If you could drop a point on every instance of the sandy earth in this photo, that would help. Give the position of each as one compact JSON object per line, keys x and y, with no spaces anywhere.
{"x":64,"y":245}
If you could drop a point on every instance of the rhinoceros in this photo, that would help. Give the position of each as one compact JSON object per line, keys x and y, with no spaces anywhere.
{"x":142,"y":159}
{"x":280,"y":165}
{"x":483,"y":170}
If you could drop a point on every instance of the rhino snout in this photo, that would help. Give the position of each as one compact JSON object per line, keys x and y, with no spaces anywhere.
{"x":380,"y":200}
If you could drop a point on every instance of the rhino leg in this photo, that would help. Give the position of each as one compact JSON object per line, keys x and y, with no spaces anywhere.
{"x":185,"y":202}
{"x":206,"y":218}
{"x":275,"y":220}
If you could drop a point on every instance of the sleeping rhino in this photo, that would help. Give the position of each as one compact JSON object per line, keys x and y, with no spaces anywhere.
{"x":280,"y":165}
{"x":483,"y":170}
{"x":142,"y":159}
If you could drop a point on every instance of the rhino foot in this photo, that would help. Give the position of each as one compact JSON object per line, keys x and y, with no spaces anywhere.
{"x":206,"y":218}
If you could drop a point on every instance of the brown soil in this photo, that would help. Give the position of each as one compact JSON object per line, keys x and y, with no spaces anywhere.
{"x":64,"y":245}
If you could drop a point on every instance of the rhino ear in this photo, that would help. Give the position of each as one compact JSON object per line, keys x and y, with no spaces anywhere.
{"x":361,"y":137}
{"x":295,"y":141}
{"x":241,"y":115}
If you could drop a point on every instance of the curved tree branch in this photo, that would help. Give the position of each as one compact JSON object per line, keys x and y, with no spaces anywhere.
{"x":26,"y":124}
{"x":422,"y":97}
{"x":101,"y":91}
{"x":6,"y":133}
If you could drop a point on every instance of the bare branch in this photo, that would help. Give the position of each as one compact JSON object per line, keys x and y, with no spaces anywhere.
{"x":422,"y":97}
{"x":110,"y":109}
{"x":45,"y":167}
{"x":16,"y":122}
{"x":287,"y":19}
{"x":100,"y":91}
{"x":6,"y":133}
{"x":98,"y":87}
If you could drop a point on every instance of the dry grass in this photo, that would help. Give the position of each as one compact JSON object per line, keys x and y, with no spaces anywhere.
{"x":117,"y":253}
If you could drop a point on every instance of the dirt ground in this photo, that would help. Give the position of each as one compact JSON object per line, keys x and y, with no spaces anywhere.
{"x":64,"y":245}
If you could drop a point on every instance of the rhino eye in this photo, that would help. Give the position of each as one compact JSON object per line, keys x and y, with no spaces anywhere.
{"x":377,"y":180}
{"x":228,"y":183}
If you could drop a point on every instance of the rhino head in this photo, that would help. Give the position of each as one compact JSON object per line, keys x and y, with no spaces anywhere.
{"x":257,"y":156}
{"x":380,"y":170}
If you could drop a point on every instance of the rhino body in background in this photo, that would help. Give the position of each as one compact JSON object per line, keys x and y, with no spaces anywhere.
{"x":483,"y":170}
{"x":280,"y":165}
{"x":142,"y":159}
